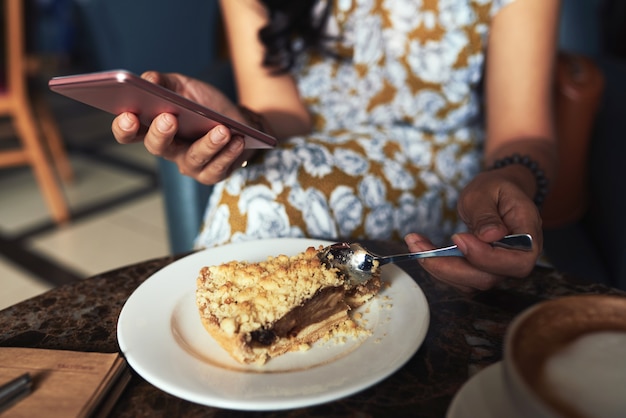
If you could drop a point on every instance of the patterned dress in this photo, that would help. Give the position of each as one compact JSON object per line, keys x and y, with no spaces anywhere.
{"x":398,"y":131}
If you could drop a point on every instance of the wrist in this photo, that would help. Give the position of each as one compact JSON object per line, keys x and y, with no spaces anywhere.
{"x":255,"y":120}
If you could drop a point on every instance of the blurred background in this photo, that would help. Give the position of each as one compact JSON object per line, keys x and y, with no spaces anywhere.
{"x":115,"y":200}
{"x":126,"y":206}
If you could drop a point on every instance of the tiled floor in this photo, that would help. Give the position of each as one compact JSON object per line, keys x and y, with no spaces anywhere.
{"x":117,"y":208}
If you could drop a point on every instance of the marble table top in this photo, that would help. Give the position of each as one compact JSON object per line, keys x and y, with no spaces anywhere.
{"x":465,"y":335}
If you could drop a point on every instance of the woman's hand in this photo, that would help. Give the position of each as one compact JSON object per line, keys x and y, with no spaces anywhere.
{"x":519,"y":87}
{"x":492,"y":205}
{"x":210,"y":158}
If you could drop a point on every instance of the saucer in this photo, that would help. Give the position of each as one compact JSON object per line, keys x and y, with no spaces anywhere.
{"x":484,"y":395}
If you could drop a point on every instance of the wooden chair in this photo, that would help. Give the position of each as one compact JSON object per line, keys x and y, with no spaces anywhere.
{"x":41,"y":143}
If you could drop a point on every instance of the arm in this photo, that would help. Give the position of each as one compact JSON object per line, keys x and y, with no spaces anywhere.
{"x":519,"y":73}
{"x":214,"y":156}
{"x":519,"y":110}
{"x":275,"y":97}
{"x":519,"y":84}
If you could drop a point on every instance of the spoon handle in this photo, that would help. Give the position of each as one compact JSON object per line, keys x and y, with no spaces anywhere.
{"x":521,"y":242}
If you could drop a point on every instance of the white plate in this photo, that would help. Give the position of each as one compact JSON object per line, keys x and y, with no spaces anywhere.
{"x":160,"y":334}
{"x":485,"y":396}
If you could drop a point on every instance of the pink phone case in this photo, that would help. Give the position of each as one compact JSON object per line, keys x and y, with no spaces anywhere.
{"x":122,"y":91}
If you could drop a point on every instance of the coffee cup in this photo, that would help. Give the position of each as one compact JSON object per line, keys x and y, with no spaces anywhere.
{"x":566,"y":357}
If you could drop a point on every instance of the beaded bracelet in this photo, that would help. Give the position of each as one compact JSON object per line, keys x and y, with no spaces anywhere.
{"x":526,"y":161}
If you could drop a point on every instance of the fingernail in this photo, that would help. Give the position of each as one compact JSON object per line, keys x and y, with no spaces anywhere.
{"x":411,"y":238}
{"x":218,"y":135}
{"x":164,"y":123}
{"x":417,"y":242}
{"x":460,"y":243}
{"x":126,"y":123}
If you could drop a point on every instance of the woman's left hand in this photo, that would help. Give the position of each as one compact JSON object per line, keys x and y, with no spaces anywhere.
{"x":492,"y":206}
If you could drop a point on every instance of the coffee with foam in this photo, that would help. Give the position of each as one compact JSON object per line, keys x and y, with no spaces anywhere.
{"x":567,"y":358}
{"x":590,"y":374}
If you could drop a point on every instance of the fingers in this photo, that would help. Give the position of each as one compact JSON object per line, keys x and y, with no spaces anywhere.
{"x":497,"y":261}
{"x":209,"y":159}
{"x":417,"y":243}
{"x":483,"y":265}
{"x":455,"y":271}
{"x":156,"y":77}
{"x":213,"y":157}
{"x":126,"y":128}
{"x":159,"y":140}
{"x":483,"y":217}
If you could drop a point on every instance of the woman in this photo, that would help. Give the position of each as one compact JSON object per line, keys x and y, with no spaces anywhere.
{"x":384,"y":131}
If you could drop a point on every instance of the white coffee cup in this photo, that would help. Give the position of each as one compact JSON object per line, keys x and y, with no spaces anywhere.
{"x":567,"y":358}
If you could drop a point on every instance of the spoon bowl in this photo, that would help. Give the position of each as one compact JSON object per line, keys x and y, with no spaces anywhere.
{"x":359,"y":264}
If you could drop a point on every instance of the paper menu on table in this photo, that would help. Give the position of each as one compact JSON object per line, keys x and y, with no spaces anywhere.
{"x":65,"y":383}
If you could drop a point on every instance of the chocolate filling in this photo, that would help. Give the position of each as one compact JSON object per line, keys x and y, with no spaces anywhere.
{"x":368,"y":288}
{"x":322,"y":305}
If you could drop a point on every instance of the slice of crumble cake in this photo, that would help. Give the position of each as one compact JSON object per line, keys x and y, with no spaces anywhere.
{"x":256,"y":311}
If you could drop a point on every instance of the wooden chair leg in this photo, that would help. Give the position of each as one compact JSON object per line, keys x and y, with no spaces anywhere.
{"x":45,"y":175}
{"x":52,"y":137}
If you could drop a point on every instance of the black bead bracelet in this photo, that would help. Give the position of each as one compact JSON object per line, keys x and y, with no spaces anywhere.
{"x":526,"y":161}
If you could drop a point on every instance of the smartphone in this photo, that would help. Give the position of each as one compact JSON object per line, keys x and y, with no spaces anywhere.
{"x":121,"y":91}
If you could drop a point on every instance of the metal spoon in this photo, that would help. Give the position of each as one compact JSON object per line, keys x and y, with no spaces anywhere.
{"x":359,"y":264}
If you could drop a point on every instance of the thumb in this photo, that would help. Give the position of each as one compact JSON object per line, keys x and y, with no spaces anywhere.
{"x":485,"y":222}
